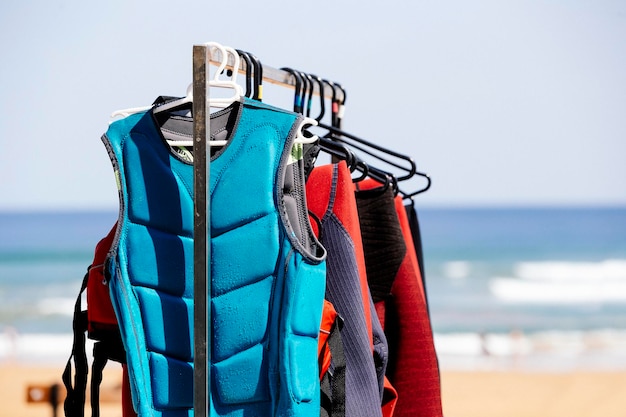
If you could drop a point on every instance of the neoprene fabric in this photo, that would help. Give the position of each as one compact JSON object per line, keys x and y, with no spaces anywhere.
{"x":331,"y":199}
{"x":413,"y":368}
{"x":417,"y":370}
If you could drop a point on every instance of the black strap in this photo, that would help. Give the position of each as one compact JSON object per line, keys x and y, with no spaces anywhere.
{"x":74,"y":404}
{"x":326,"y":401}
{"x":333,"y":383}
{"x":100,"y":359}
{"x":310,"y":153}
{"x":414,"y":226}
{"x":110,"y":347}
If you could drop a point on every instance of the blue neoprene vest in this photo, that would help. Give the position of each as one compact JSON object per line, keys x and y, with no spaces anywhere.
{"x":267,"y":269}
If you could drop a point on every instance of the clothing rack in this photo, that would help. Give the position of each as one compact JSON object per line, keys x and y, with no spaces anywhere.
{"x":203,"y":56}
{"x":272,"y":75}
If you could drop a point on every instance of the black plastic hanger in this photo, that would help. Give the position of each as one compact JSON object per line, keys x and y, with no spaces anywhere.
{"x":258,"y":77}
{"x":322,"y":95}
{"x":407,"y":164}
{"x":336,"y":102}
{"x":297,"y":107}
{"x":307,"y":93}
{"x":333,"y":148}
{"x":302,"y":104}
{"x":410,"y":196}
{"x":341,"y":103}
{"x":244,"y":55}
{"x":348,"y":138}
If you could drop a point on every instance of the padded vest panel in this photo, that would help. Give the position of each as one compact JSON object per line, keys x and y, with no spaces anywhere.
{"x":267,"y":287}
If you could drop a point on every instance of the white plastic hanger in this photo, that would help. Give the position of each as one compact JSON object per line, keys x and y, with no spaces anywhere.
{"x":229,"y":83}
{"x":299,"y":139}
{"x":216,"y":82}
{"x":225,"y":102}
{"x":127,"y":112}
{"x":217,"y":102}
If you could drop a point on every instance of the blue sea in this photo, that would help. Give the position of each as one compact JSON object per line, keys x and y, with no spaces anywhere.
{"x":536,"y":288}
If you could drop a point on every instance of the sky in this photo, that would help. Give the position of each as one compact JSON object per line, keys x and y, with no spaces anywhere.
{"x":502,"y":103}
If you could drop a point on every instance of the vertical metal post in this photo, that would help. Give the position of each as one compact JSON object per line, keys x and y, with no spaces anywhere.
{"x":202,"y":227}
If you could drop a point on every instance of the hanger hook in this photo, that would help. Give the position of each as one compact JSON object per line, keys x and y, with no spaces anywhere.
{"x":334,"y":103}
{"x":306,"y":91}
{"x":342,"y":103}
{"x":421,"y":190}
{"x":322,"y":93}
{"x":258,"y":77}
{"x":344,"y":95}
{"x":296,"y":99}
{"x":246,"y":57}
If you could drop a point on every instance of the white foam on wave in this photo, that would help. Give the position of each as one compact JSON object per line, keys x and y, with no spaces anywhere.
{"x":602,"y":349}
{"x":546,"y":350}
{"x":37,"y":347}
{"x":557,"y":292}
{"x":477,"y":344}
{"x":56,"y":306}
{"x":609,"y":270}
{"x":560,"y":282}
{"x":456,"y":269}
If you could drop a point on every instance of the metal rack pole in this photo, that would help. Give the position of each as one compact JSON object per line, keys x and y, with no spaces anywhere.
{"x":202,"y":227}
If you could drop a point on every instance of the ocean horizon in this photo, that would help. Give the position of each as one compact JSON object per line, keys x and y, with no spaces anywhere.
{"x":531,"y":287}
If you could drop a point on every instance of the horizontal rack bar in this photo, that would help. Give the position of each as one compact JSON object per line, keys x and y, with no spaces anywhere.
{"x":272,"y":75}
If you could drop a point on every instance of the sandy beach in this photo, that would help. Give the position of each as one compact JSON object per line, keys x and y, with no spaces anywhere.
{"x":16,"y":378}
{"x":534,"y":394}
{"x":464,"y":393}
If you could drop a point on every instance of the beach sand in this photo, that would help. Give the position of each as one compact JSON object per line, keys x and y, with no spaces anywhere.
{"x":16,"y":378}
{"x":534,"y":394}
{"x":464,"y":393}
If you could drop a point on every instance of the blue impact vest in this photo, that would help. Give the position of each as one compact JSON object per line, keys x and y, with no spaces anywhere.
{"x":267,"y":267}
